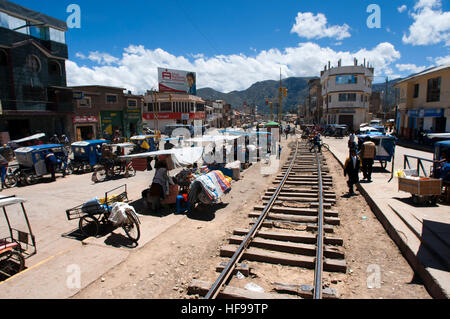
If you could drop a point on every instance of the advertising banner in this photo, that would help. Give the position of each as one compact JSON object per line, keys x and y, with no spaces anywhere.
{"x":177,"y":81}
{"x":175,"y":116}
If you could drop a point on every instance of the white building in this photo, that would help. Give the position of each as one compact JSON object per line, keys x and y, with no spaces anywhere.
{"x":346,"y":92}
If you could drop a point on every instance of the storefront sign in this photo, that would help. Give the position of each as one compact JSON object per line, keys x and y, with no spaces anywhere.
{"x":175,"y":116}
{"x":85,"y":119}
{"x":78,"y":95}
{"x":426,"y":113}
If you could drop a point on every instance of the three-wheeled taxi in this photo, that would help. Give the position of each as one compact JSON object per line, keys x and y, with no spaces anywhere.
{"x":32,"y":165}
{"x":15,"y":245}
{"x":86,"y":154}
{"x":385,"y":146}
{"x":145,"y":143}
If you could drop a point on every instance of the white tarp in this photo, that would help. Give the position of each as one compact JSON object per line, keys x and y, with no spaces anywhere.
{"x":182,"y":156}
{"x":438,"y":135}
{"x":30,"y":138}
{"x":211,"y":138}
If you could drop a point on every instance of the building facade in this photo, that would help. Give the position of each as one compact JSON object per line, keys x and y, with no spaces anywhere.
{"x":33,"y":93}
{"x":424,"y":102}
{"x":102,"y":110}
{"x":346,"y":92}
{"x":161,"y":109}
{"x":314,"y":102}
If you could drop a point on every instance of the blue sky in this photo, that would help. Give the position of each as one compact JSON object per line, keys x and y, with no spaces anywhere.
{"x":232,"y":44}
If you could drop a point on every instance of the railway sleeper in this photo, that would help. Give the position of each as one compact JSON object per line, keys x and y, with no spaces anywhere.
{"x":262,"y":255}
{"x":289,"y":247}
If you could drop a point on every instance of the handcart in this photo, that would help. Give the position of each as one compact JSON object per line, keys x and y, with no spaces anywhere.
{"x":96,"y":213}
{"x":19,"y":244}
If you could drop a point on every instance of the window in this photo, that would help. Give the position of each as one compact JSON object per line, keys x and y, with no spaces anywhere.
{"x":416,"y":91}
{"x":192,"y":107}
{"x":434,"y":90}
{"x":3,"y":58}
{"x":15,"y":23}
{"x":166,"y":107}
{"x":33,"y":63}
{"x":132,"y":103}
{"x":54,"y":68}
{"x":111,"y":99}
{"x":4,"y":20}
{"x":347,"y":97}
{"x":346,"y":79}
{"x":200,"y":107}
{"x":57,"y":35}
{"x":40,"y":32}
{"x":86,"y":102}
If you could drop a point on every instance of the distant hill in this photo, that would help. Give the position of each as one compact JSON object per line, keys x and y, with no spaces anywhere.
{"x":259,"y":91}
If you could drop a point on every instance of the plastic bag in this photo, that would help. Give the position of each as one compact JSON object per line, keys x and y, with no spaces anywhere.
{"x":118,"y":214}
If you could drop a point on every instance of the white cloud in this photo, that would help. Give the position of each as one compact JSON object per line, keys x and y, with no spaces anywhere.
{"x":136,"y":70}
{"x":411,"y":68}
{"x":310,"y":26}
{"x":402,"y":8}
{"x":431,"y":24}
{"x":98,"y":57}
{"x":442,"y":60}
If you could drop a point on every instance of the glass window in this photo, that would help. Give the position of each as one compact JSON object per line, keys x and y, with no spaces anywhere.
{"x":111,"y":99}
{"x":40,"y":32}
{"x":166,"y":107}
{"x":15,"y":23}
{"x":346,"y":79}
{"x":4,"y":20}
{"x":416,"y":91}
{"x":57,"y":35}
{"x":132,"y":103}
{"x":200,"y":107}
{"x":434,"y":90}
{"x":347,"y":97}
{"x":33,"y":63}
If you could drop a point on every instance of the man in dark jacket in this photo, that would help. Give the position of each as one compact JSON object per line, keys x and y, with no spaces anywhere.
{"x":51,"y":161}
{"x":351,"y":168}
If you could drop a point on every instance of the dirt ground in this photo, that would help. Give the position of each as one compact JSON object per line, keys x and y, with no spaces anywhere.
{"x":190,"y":249}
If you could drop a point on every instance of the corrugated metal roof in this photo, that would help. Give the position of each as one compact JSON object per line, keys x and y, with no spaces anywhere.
{"x":428,"y":71}
{"x":22,"y":12}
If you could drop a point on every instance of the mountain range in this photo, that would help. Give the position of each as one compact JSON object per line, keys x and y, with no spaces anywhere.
{"x":297,"y":92}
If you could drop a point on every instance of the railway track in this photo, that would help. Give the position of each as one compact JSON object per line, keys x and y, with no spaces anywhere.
{"x":293,"y":227}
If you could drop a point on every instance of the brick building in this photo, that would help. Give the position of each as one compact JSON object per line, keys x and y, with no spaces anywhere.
{"x":101,"y":110}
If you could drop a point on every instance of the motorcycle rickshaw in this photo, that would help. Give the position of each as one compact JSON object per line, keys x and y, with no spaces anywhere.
{"x":17,"y":245}
{"x":32,"y":164}
{"x":112,"y":163}
{"x":145,"y":143}
{"x":385,"y":146}
{"x":86,"y":154}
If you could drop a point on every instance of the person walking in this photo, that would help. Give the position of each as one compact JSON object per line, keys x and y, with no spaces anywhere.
{"x":367,"y":155}
{"x":352,"y":141}
{"x":351,"y":169}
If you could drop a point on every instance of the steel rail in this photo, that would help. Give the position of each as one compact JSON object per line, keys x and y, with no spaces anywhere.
{"x":228,"y":270}
{"x":319,"y":252}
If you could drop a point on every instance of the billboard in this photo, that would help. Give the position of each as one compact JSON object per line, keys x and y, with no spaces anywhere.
{"x":177,"y":81}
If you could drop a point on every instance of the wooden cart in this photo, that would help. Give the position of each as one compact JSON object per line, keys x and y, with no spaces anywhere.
{"x":423,"y":190}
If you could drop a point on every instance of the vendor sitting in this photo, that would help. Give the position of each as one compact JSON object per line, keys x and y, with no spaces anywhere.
{"x":160,"y":186}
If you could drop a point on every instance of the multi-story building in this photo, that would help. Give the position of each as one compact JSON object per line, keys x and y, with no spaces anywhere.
{"x":346,"y":91}
{"x":102,"y":110}
{"x":161,"y":109}
{"x":424,"y":102}
{"x":33,"y":93}
{"x":314,"y":102}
